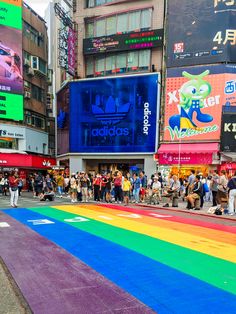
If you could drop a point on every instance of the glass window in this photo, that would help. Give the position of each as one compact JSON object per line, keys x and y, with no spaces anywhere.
{"x":121,"y":62}
{"x":100,"y":2}
{"x":101,"y":28}
{"x":90,"y":3}
{"x":42,"y":66}
{"x":134,"y":20}
{"x":89,"y":67}
{"x":146,"y":19}
{"x":122,"y":23}
{"x":100,"y":66}
{"x":111,"y":25}
{"x":133,"y":61}
{"x":110,"y":65}
{"x":144,"y":59}
{"x":89,"y":30}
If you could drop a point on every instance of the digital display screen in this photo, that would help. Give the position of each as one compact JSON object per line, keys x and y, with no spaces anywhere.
{"x":124,"y":42}
{"x":202,"y":32}
{"x":11,"y":69}
{"x":114,"y":114}
{"x":11,"y":106}
{"x":228,"y":133}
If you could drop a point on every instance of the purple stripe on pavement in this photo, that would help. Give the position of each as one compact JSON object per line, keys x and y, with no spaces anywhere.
{"x":53,"y":281}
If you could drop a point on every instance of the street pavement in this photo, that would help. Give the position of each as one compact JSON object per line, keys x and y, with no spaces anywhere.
{"x":110,"y":258}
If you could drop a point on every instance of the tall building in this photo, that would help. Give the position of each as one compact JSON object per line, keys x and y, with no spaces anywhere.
{"x":27,"y":124}
{"x":200,"y":87}
{"x":108,"y":117}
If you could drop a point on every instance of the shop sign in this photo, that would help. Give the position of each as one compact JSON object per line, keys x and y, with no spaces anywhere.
{"x":194,"y":100}
{"x":185,"y":159}
{"x":11,"y":131}
{"x":123,"y":42}
{"x":228,"y":133}
{"x":25,"y":161}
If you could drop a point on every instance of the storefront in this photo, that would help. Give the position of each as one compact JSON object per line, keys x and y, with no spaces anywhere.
{"x":180,"y":158}
{"x":25,"y":163}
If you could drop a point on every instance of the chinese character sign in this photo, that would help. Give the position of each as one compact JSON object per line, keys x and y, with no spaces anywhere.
{"x":202,"y":32}
{"x":194,"y":100}
{"x":71,"y":51}
{"x":63,"y":47}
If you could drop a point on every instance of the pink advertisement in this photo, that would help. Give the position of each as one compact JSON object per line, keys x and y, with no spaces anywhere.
{"x":71,"y":51}
{"x":185,"y":159}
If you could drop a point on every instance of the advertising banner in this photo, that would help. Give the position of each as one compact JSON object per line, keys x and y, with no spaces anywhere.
{"x":71,"y":51}
{"x":114,"y":114}
{"x":11,"y":70}
{"x":124,"y":42}
{"x":228,"y":133}
{"x":202,"y":32}
{"x":194,"y":100}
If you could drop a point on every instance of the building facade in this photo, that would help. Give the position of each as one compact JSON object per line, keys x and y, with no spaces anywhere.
{"x":31,"y":129}
{"x":117,"y":42}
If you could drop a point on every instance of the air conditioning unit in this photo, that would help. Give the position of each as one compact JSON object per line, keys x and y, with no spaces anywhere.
{"x":35,"y":63}
{"x":27,"y":95}
{"x":27,"y":62}
{"x":30,"y":71}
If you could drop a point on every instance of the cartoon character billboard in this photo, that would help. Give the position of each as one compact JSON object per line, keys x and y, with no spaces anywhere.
{"x":201,"y":32}
{"x":116,"y":114}
{"x":194,"y":100}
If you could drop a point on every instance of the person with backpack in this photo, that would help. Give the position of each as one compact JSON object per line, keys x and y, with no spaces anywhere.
{"x":196,"y":193}
{"x":232,"y":195}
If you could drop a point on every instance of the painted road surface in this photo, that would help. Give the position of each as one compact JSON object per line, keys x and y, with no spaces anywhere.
{"x":113,"y":259}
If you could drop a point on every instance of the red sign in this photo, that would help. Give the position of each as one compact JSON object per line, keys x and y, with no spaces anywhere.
{"x":26,"y":161}
{"x":185,"y":159}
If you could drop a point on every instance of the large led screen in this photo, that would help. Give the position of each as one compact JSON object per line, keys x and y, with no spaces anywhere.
{"x":201,"y":32}
{"x":11,"y":70}
{"x":114,"y":114}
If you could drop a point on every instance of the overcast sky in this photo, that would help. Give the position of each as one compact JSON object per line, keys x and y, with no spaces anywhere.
{"x":38,"y":6}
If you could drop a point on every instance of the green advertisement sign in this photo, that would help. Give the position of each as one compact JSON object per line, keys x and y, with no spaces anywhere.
{"x":10,"y":15}
{"x":11,"y":106}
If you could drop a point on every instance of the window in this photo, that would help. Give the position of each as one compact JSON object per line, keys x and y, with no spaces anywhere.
{"x":37,"y":93}
{"x":120,"y":23}
{"x":112,"y":64}
{"x":132,"y":64}
{"x":31,"y":33}
{"x":100,"y":66}
{"x":146,"y":19}
{"x":38,"y":122}
{"x":89,"y":31}
{"x":134,"y":20}
{"x":94,"y":3}
{"x":111,"y":25}
{"x":101,"y":28}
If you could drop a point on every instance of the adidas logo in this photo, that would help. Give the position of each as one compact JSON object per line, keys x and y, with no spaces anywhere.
{"x":112,"y":112}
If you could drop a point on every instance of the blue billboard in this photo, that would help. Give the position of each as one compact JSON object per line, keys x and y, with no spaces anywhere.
{"x":114,"y":115}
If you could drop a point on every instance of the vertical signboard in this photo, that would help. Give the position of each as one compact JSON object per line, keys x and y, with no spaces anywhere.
{"x":202,"y":32}
{"x":228,"y":133}
{"x":11,"y":73}
{"x":71,"y":51}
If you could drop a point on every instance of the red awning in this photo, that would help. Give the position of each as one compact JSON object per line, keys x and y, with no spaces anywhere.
{"x":197,"y":148}
{"x":26,"y":161}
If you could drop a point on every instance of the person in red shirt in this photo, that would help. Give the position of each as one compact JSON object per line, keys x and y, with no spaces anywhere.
{"x":13,"y":188}
{"x":118,"y":186}
{"x":97,"y":187}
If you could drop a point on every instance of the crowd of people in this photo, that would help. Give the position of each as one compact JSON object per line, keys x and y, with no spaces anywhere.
{"x":120,"y":187}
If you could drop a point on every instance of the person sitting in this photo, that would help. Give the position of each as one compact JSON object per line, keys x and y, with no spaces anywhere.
{"x":173,"y":192}
{"x":195,"y":193}
{"x":50,"y":195}
{"x":155,"y":191}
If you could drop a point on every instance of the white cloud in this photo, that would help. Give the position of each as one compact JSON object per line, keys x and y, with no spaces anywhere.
{"x":39,"y":6}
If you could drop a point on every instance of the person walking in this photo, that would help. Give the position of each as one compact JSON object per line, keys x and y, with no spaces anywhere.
{"x":126,"y":190}
{"x":136,"y":187}
{"x":84,"y":186}
{"x":73,"y":188}
{"x":13,"y":188}
{"x":232,"y":195}
{"x":214,"y":187}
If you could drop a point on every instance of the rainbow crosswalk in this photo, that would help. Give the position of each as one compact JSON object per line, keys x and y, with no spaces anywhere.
{"x":170,"y":264}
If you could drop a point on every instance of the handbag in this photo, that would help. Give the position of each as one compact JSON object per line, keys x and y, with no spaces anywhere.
{"x":205,"y":188}
{"x":14,"y":188}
